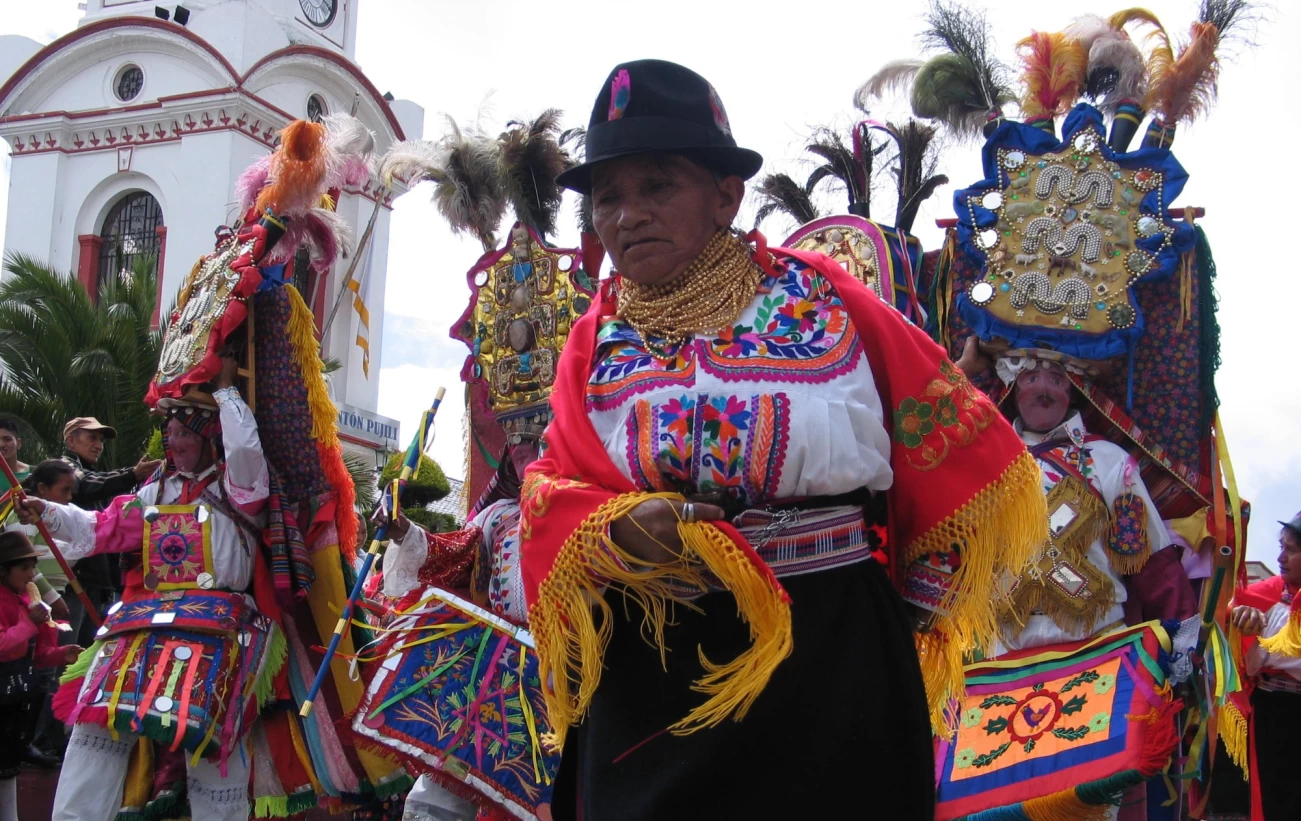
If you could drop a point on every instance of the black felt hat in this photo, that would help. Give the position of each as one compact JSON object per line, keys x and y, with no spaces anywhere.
{"x":651,"y":106}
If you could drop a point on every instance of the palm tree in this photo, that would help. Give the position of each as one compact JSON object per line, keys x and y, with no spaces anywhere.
{"x":64,"y":355}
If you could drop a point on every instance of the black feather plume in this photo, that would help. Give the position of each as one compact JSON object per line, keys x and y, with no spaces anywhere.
{"x":778,"y":192}
{"x":839,"y":163}
{"x":965,"y":32}
{"x":531,"y":158}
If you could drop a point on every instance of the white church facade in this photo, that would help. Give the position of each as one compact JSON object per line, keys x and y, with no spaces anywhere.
{"x":127,"y":134}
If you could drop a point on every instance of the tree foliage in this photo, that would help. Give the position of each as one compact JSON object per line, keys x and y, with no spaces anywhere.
{"x":66,"y":355}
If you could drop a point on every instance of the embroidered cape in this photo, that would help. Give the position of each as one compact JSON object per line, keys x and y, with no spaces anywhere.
{"x":963,"y":483}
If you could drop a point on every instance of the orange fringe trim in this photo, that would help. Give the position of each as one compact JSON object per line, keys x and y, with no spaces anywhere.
{"x":1000,"y":530}
{"x":571,"y":646}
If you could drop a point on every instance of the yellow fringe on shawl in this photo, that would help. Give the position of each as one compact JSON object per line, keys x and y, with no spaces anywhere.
{"x":1000,"y":530}
{"x":1233,"y":731}
{"x":1287,"y":641}
{"x":301,"y":329}
{"x":571,"y":646}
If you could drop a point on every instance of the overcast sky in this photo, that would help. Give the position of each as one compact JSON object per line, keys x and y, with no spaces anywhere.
{"x":781,"y":69}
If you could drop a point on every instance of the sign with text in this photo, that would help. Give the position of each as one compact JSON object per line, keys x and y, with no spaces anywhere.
{"x":371,"y":428}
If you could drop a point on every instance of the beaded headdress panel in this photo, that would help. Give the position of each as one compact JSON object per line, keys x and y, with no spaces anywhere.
{"x":1063,"y":229}
{"x":524,"y":300}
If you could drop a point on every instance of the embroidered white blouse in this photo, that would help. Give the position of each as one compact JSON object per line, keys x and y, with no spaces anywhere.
{"x":1112,"y":472}
{"x":781,"y":405}
{"x":246,"y":484}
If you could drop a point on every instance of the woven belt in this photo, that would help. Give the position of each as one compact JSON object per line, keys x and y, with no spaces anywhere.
{"x":1281,"y":683}
{"x":793,"y":541}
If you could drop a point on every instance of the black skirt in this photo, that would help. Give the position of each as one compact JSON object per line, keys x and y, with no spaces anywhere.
{"x":842,"y":729}
{"x":1277,"y":729}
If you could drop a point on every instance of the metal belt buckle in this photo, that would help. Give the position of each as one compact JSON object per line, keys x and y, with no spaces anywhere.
{"x":781,"y":520}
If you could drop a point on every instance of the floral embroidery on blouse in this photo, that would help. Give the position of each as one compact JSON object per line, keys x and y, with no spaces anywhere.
{"x":704,"y":443}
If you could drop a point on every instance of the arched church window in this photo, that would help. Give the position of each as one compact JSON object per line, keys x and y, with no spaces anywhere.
{"x":130,"y":79}
{"x":130,"y":235}
{"x":316,"y":108}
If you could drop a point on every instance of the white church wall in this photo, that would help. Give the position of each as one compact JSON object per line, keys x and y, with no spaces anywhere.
{"x":195,"y":126}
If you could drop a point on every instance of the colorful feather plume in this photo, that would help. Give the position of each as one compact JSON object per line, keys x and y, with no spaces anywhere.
{"x":251,"y":183}
{"x":465,"y":169}
{"x":895,"y":77}
{"x":1116,"y":67}
{"x":324,"y":234}
{"x":1184,"y":89}
{"x":963,"y":86}
{"x":1160,"y":54}
{"x":297,"y":171}
{"x":1053,"y":71}
{"x":531,"y":157}
{"x":778,"y":192}
{"x":349,"y":146}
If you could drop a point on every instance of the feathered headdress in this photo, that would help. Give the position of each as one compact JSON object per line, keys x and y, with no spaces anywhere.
{"x":1183,"y":88}
{"x":778,"y":192}
{"x":846,"y":164}
{"x":965,"y":85}
{"x":1116,"y":69}
{"x":915,"y":169}
{"x":531,"y":158}
{"x":312,"y":160}
{"x":1053,"y":72}
{"x":465,"y":168}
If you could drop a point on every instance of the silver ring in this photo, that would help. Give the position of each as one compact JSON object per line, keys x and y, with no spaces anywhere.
{"x":688,"y":511}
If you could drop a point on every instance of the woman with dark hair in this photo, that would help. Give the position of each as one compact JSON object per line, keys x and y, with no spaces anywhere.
{"x":729,"y":420}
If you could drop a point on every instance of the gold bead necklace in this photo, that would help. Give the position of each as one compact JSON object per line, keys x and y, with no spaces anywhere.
{"x":709,"y":296}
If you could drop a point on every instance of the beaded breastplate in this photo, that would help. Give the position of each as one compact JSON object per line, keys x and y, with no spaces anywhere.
{"x":882,"y":258}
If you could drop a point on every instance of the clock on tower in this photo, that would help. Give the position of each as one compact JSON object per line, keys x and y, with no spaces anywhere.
{"x":320,"y":13}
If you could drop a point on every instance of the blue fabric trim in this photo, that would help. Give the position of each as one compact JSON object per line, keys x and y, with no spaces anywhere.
{"x":273,"y":276}
{"x":1035,"y":141}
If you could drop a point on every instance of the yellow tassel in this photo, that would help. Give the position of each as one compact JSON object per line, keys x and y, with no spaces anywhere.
{"x":302,"y":336}
{"x":1233,"y":731}
{"x":1286,"y":642}
{"x":571,"y":645}
{"x":1065,"y":806}
{"x":1000,"y":530}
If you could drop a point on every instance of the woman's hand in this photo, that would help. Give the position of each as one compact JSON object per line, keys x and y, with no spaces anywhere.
{"x":71,"y":652}
{"x":38,"y":612}
{"x":1248,"y":620}
{"x":60,"y":610}
{"x":650,"y":530}
{"x":29,"y":510}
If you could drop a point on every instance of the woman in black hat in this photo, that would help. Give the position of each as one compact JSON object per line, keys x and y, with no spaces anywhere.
{"x":728,"y":418}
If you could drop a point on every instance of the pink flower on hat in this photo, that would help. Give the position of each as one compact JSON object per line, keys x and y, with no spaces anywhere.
{"x":620,"y":93}
{"x":720,"y":113}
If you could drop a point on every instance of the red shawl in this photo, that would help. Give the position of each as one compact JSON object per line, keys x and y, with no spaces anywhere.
{"x":962,"y":480}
